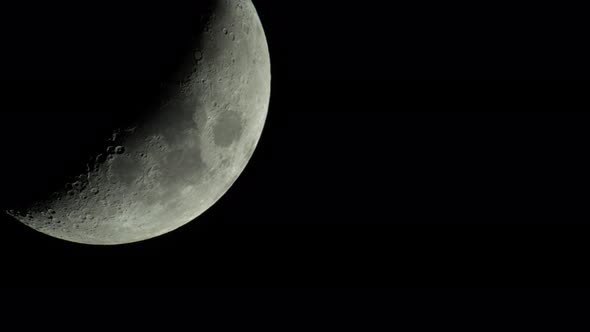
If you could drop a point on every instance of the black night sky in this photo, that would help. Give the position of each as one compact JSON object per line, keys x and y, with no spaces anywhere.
{"x":423,"y":145}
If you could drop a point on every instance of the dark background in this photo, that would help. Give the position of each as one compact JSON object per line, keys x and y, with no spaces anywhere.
{"x":423,"y":145}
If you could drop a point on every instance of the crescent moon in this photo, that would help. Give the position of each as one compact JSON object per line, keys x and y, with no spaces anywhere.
{"x":162,"y":172}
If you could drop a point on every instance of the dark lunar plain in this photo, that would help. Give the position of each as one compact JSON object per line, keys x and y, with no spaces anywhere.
{"x":421,"y":145}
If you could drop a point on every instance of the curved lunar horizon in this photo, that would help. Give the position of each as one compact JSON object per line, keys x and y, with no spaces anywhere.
{"x":154,"y":173}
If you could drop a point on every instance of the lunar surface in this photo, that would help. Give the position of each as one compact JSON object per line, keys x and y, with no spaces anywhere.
{"x":162,"y":165}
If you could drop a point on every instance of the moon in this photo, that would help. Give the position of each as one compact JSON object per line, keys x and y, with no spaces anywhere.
{"x":166,"y":162}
